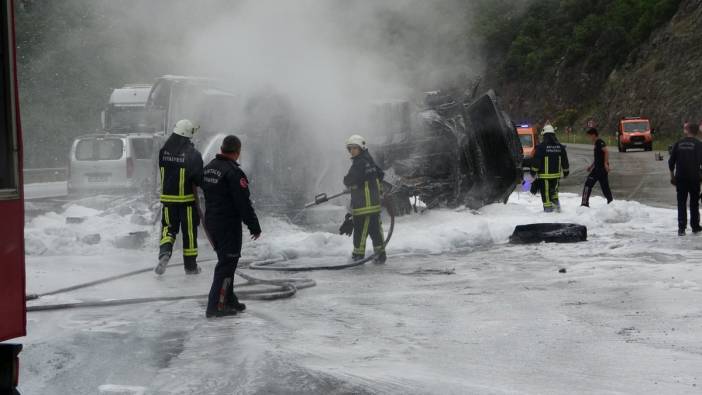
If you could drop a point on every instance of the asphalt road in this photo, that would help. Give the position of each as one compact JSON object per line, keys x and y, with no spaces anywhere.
{"x":634,"y":175}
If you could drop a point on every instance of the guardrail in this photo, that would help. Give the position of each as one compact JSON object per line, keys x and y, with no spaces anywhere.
{"x":48,"y":174}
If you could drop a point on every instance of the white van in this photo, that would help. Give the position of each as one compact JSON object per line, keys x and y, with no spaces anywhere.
{"x":112,"y":162}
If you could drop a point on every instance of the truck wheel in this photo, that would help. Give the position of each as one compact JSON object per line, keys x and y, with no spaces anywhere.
{"x":621,"y":147}
{"x":649,"y":147}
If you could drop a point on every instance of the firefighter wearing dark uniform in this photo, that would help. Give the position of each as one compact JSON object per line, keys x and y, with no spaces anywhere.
{"x":364,"y":181}
{"x":180,"y":165}
{"x":549,"y":164}
{"x":685,"y":164}
{"x":227,"y":204}
{"x":599,"y":170}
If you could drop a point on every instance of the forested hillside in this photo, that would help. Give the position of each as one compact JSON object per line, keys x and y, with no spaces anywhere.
{"x":571,"y":60}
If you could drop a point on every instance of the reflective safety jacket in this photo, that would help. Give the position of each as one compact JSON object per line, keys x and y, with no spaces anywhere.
{"x":181,"y":167}
{"x":227,"y":197}
{"x":363,"y":179}
{"x":550,"y":160}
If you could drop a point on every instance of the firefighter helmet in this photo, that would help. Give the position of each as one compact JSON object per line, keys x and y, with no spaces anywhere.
{"x":356,"y":140}
{"x":548,"y":129}
{"x":185,"y":128}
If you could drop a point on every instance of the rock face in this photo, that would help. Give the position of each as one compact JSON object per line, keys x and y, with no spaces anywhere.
{"x":659,"y":80}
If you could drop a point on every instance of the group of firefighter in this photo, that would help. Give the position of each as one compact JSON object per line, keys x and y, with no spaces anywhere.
{"x":550,"y":164}
{"x":228,"y":204}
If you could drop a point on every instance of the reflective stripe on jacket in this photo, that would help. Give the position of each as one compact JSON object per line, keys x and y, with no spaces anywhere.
{"x":363,"y":180}
{"x":180,"y":166}
{"x":550,"y":159}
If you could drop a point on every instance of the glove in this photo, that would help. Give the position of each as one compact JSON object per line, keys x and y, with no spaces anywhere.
{"x":566,"y":173}
{"x":347,"y":227}
{"x":535,"y":185}
{"x":673,"y":181}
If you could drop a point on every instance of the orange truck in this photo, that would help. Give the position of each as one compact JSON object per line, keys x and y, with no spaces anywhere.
{"x":634,"y":132}
{"x":528,"y":136}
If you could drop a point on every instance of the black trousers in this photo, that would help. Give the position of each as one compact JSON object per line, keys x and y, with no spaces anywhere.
{"x":684,"y":189}
{"x":227,"y":244}
{"x":363,"y":226}
{"x":549,"y":193}
{"x":186,"y":218}
{"x":595,"y":176}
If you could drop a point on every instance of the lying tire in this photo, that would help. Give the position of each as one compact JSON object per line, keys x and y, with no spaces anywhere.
{"x":549,"y":233}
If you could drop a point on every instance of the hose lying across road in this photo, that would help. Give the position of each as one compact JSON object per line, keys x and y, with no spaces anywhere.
{"x":281,"y":288}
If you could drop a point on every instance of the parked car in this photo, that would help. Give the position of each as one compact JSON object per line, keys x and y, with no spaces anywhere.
{"x":111,"y":162}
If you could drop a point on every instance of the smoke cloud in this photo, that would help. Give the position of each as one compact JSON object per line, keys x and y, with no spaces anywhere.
{"x":329,"y":58}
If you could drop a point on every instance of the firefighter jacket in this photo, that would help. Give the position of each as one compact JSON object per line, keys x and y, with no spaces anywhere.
{"x":686,"y":159}
{"x":363,"y":180}
{"x":550,"y":160}
{"x":227,"y":197}
{"x":181,"y":167}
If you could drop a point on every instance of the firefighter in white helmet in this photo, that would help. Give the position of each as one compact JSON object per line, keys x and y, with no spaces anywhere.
{"x":364,"y":181}
{"x":550,"y":163}
{"x":180,"y":166}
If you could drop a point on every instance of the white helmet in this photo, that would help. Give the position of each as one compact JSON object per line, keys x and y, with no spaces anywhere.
{"x":185,"y":128}
{"x":356,"y":140}
{"x":548,"y":129}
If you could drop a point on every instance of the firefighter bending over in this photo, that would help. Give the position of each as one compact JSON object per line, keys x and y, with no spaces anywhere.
{"x":180,"y":165}
{"x":227,"y":204}
{"x":550,"y":161}
{"x":364,"y":181}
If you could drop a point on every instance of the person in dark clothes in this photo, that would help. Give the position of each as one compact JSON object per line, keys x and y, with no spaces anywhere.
{"x":364,"y":180}
{"x":685,"y":165}
{"x":180,"y":166}
{"x":599,"y":169}
{"x":549,"y":164}
{"x":227,"y":204}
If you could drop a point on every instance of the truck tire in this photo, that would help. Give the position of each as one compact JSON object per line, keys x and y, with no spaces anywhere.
{"x":549,"y":233}
{"x":621,"y":147}
{"x":649,"y":147}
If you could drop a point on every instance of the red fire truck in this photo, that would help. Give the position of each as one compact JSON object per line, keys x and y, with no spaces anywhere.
{"x":12,"y":287}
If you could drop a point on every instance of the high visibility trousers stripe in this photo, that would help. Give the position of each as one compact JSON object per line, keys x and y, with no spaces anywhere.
{"x":361,"y":250}
{"x":181,"y":182}
{"x":547,"y":194}
{"x":191,"y":240}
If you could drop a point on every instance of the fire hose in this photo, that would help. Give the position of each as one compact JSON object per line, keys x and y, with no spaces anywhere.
{"x":283,"y":288}
{"x":273,"y":265}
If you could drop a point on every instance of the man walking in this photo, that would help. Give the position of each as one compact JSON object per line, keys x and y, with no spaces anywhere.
{"x":227,"y":204}
{"x":363,"y":179}
{"x":550,"y":162}
{"x":599,"y":169}
{"x":181,"y":168}
{"x":685,"y":164}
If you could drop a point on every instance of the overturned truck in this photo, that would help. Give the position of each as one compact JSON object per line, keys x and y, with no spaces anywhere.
{"x":457,"y":150}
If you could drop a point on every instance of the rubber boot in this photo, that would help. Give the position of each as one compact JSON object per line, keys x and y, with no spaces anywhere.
{"x":163,"y":259}
{"x":191,"y":266}
{"x":380,"y":258}
{"x":223,"y":309}
{"x":355,"y":258}
{"x":234,"y":303}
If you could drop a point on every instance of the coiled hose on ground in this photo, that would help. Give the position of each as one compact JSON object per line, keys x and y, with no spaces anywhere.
{"x":283,"y":288}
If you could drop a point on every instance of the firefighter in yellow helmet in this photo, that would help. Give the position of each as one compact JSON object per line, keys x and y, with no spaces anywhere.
{"x":364,"y":181}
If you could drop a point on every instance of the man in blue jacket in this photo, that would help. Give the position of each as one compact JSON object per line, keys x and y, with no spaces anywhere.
{"x":227,"y":205}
